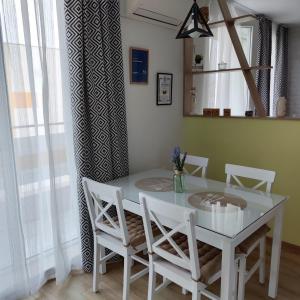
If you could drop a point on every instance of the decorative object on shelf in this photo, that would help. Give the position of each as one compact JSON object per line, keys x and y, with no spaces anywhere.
{"x":139,"y":65}
{"x":164,"y":89}
{"x":222,"y":65}
{"x":178,"y":177}
{"x":195,"y":24}
{"x":249,"y":113}
{"x":227,"y":112}
{"x":281,"y":107}
{"x":215,"y":112}
{"x":194,"y":94}
{"x":211,"y":112}
{"x":207,"y":112}
{"x":199,"y":60}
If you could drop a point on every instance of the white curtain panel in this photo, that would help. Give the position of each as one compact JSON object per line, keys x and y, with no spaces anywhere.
{"x":39,"y":223}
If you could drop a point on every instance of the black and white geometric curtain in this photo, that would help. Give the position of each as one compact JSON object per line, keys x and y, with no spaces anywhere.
{"x":264,"y":56}
{"x":281,"y":65}
{"x":98,"y":99}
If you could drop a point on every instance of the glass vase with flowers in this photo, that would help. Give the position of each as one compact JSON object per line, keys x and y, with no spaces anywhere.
{"x":178,"y":177}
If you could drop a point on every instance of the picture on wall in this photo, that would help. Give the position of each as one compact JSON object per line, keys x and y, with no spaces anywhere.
{"x":164,"y":88}
{"x":139,"y":65}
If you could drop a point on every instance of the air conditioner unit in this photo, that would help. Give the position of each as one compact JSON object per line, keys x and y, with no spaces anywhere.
{"x":166,"y":13}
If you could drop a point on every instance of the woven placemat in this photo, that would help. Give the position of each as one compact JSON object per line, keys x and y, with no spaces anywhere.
{"x":205,"y":200}
{"x":155,"y":184}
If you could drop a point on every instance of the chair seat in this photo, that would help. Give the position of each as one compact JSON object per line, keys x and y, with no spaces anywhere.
{"x":245,"y":246}
{"x":210,"y":258}
{"x":135,"y":228}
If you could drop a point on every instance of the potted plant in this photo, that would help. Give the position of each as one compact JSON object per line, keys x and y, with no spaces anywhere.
{"x":178,"y":177}
{"x":198,"y":60}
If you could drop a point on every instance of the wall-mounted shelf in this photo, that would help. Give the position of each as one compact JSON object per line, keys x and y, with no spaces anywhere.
{"x":195,"y":71}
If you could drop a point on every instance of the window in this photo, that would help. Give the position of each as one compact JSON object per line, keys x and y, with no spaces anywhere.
{"x":42,"y":156}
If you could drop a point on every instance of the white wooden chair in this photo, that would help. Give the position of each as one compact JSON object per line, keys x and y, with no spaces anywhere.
{"x":177,"y":256}
{"x":258,"y":238}
{"x":123,"y":234}
{"x":200,"y":163}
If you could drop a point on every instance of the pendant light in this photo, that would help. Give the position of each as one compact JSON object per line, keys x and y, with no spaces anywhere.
{"x":195,"y":25}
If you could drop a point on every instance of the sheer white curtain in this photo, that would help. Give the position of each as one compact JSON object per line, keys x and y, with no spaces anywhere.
{"x":39,"y":222}
{"x":223,"y":89}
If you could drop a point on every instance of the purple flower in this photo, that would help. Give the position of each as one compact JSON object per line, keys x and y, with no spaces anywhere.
{"x":178,"y":162}
{"x":176,"y":154}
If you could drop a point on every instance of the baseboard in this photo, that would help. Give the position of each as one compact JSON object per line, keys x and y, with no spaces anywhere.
{"x":286,"y":246}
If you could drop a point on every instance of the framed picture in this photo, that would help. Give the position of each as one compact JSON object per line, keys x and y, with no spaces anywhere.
{"x":139,"y":65}
{"x":164,"y":88}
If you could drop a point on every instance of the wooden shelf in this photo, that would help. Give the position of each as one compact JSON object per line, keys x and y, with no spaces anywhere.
{"x":195,"y":71}
{"x":244,"y":18}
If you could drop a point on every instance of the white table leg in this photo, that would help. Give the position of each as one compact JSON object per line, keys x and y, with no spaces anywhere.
{"x":228,"y":268}
{"x":276,"y":251}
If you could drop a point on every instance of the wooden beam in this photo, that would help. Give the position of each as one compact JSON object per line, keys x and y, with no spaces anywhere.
{"x":242,"y":58}
{"x":188,"y":76}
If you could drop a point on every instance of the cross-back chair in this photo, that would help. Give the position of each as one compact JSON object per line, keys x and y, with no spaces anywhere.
{"x":115,"y":233}
{"x":200,"y":164}
{"x":258,"y":238}
{"x":176,"y":255}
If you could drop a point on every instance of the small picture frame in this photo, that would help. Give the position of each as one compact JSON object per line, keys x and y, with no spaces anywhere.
{"x":138,"y":65}
{"x":164,"y":88}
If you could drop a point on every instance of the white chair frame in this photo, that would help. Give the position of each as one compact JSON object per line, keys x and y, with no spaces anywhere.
{"x":180,"y":269}
{"x":200,"y":163}
{"x":111,"y":236}
{"x":267,"y":178}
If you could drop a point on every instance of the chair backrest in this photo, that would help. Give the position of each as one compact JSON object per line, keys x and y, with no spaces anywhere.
{"x":156,"y":210}
{"x":200,"y":163}
{"x":100,"y":198}
{"x":264,"y":176}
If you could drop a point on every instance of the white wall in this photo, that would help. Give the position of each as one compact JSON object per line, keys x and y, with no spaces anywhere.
{"x":294,"y":72}
{"x":152,"y":130}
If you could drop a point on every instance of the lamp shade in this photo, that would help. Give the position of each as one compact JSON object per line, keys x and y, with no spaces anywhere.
{"x":195,"y":25}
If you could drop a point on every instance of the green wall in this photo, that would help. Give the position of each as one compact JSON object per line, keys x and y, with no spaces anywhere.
{"x":267,"y":144}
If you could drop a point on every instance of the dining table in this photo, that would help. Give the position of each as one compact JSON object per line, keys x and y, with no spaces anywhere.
{"x":223,"y":226}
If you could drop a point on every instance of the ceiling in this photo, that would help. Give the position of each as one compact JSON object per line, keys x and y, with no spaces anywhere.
{"x":280,"y":11}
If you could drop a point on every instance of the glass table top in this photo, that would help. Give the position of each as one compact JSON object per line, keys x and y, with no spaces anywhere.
{"x":243,"y":206}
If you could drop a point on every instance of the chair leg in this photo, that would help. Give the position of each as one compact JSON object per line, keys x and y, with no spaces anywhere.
{"x":262,"y":257}
{"x":126,"y":276}
{"x":103,"y":264}
{"x":196,"y":295}
{"x":96,"y":267}
{"x":152,"y":279}
{"x":242,"y":277}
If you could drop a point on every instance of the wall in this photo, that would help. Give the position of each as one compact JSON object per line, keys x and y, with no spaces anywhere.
{"x":294,"y":71}
{"x":152,"y":130}
{"x":267,"y":144}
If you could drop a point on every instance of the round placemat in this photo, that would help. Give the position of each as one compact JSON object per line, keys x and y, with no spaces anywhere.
{"x":205,"y":200}
{"x":155,"y":184}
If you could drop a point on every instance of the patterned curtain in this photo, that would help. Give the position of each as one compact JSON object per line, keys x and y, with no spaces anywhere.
{"x":281,"y":65}
{"x":98,"y":99}
{"x":264,"y":54}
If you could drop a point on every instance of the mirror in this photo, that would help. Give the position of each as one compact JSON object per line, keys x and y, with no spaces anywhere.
{"x":271,"y":47}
